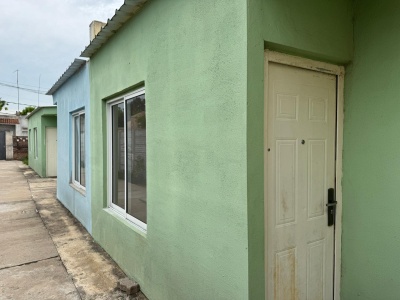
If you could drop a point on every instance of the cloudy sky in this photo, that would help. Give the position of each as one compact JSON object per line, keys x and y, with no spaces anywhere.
{"x":41,"y":38}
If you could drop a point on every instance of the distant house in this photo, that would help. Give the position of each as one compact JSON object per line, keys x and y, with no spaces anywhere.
{"x":42,"y":139}
{"x":8,"y":123}
{"x":10,"y":126}
{"x":18,"y":125}
{"x":22,"y":128}
{"x":71,"y":95}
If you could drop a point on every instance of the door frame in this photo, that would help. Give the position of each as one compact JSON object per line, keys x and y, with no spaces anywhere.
{"x":47,"y":157}
{"x":3,"y":141}
{"x":339,"y":72}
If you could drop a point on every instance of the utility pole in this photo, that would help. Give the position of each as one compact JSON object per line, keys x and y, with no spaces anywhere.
{"x":17,"y":88}
{"x":38,"y":92}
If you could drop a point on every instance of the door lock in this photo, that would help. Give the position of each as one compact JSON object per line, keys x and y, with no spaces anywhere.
{"x":331,"y":205}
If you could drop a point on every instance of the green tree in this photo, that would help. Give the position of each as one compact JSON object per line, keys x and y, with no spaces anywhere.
{"x":3,"y":105}
{"x":27,"y":110}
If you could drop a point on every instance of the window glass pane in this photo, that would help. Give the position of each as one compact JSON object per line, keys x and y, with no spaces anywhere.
{"x":136,"y":157}
{"x":29,"y":141}
{"x":35,"y":141}
{"x":82,"y":153}
{"x":118,"y":155}
{"x":76,"y":148}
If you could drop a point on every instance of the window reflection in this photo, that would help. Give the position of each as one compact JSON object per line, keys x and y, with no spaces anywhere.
{"x":76,"y":153}
{"x":136,"y":157}
{"x":118,"y":157}
{"x":82,"y":150}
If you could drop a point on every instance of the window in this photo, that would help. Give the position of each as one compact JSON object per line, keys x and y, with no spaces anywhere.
{"x":78,"y":148}
{"x":35,"y":143}
{"x":29,"y":141}
{"x":127,"y":157}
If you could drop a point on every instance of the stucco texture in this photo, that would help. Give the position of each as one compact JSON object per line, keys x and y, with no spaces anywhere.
{"x":42,"y":118}
{"x":317,"y":29}
{"x":202,"y":67}
{"x":191,"y":58}
{"x":371,"y":166}
{"x":73,"y":96}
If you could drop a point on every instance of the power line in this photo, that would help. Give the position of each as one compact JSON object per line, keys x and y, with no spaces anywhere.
{"x":24,"y":89}
{"x":14,"y":98}
{"x":25,"y":97}
{"x":17,"y":88}
{"x":8,"y":95}
{"x":38,"y":91}
{"x":6,"y":113}
{"x":24,"y":104}
{"x":21,"y":84}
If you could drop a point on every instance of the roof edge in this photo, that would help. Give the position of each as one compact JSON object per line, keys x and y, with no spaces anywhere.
{"x":121,"y":16}
{"x":39,"y":108}
{"x":71,"y":70}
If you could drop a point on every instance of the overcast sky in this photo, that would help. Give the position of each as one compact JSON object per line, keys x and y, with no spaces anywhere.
{"x":42,"y":38}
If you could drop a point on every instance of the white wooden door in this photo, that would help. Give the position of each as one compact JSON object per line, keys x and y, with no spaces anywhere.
{"x":51,"y":151}
{"x":300,"y":151}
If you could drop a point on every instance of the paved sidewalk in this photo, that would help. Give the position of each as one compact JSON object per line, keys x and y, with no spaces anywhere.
{"x":45,"y":253}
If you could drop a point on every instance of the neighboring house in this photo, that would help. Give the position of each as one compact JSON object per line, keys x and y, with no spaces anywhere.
{"x":42,"y":140}
{"x":10,"y":126}
{"x":8,"y":123}
{"x":18,"y":125}
{"x":71,"y":95}
{"x":225,"y":131}
{"x":22,"y":128}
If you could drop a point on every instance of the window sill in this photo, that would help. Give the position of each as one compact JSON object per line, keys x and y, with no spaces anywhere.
{"x":136,"y":228}
{"x":78,"y":189}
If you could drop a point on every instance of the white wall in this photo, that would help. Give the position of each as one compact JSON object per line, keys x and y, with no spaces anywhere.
{"x":22,"y":128}
{"x":9,"y":145}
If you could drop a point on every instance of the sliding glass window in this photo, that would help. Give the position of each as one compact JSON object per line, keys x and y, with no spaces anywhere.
{"x":79,"y":169}
{"x":127,"y":153}
{"x":35,"y":143}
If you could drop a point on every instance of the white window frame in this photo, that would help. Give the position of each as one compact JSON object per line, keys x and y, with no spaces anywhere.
{"x":35,"y":144}
{"x":29,"y":140}
{"x":114,"y":207}
{"x":73,"y":179}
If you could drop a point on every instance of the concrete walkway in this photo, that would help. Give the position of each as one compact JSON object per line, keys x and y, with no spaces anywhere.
{"x":45,"y":253}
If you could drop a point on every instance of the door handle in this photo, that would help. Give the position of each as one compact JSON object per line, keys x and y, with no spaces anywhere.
{"x":331,"y":205}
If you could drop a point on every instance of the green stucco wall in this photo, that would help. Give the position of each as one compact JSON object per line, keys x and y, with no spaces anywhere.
{"x":320,"y":30}
{"x":202,"y":65}
{"x":203,"y":70}
{"x":371,"y":160}
{"x":191,"y":57}
{"x":42,"y":118}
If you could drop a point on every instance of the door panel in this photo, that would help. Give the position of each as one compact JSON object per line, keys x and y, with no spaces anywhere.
{"x":2,"y":145}
{"x":51,"y":151}
{"x":300,"y":169}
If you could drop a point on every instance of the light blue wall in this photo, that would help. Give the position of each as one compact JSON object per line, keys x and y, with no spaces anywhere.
{"x":73,"y":96}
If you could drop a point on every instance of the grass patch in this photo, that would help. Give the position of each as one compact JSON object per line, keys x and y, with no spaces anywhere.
{"x":25,"y":161}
